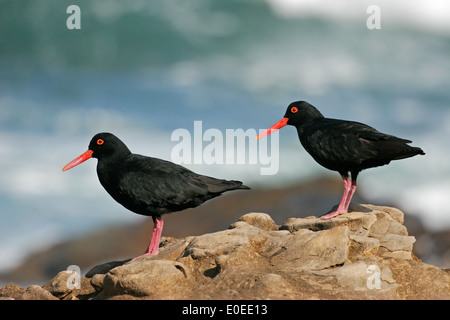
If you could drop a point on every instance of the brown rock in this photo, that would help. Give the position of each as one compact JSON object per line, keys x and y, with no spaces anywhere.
{"x":366,"y":254}
{"x":260,"y":220}
{"x":68,"y":285}
{"x":308,"y":250}
{"x":12,"y":291}
{"x":417,"y":280}
{"x":105,"y":267}
{"x":145,"y":277}
{"x":35,"y":292}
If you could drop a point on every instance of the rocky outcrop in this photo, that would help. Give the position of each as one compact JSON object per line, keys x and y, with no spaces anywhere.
{"x":366,"y":254}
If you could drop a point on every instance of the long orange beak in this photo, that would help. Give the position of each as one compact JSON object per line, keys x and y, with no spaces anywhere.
{"x":280,"y":124}
{"x":85,"y":156}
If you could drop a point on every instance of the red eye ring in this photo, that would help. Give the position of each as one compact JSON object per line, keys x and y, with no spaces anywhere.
{"x":294,"y":109}
{"x":100,"y":142}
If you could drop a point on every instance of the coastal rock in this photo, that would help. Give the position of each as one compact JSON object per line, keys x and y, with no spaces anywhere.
{"x":146,"y":277}
{"x":365,"y":254}
{"x":35,"y":292}
{"x":11,"y":291}
{"x":69,"y":285}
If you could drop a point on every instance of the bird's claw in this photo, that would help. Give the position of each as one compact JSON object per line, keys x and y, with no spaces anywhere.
{"x":332,"y":214}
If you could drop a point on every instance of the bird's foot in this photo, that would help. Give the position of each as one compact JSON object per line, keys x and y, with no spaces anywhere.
{"x":146,"y":254}
{"x":333,"y":214}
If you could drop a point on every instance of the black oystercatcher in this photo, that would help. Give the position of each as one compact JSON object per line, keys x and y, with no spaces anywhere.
{"x":347,"y":147}
{"x":149,"y":186}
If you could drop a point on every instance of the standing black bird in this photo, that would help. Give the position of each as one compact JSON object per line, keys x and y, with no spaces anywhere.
{"x":149,"y":186}
{"x":347,"y":147}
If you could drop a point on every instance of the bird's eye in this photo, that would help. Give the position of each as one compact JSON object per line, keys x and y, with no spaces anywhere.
{"x":100,"y":142}
{"x":294,"y":109}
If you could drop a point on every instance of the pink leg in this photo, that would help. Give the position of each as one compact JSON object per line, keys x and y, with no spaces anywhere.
{"x":153,"y":246}
{"x":343,"y":206}
{"x":350,"y":194}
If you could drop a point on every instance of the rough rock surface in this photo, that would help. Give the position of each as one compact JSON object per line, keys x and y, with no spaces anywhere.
{"x":366,"y":254}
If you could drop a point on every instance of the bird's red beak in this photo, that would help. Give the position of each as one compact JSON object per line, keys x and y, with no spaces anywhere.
{"x":85,"y":156}
{"x":280,"y":124}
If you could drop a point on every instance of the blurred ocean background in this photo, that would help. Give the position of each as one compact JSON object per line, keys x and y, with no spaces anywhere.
{"x":141,"y":69}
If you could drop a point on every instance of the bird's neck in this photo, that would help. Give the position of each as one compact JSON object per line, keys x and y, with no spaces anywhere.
{"x":108,"y":166}
{"x":302,"y":127}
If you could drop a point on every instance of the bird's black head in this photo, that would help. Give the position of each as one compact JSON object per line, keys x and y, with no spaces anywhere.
{"x":102,"y":145}
{"x":301,"y":112}
{"x":105,"y":144}
{"x":297,"y":114}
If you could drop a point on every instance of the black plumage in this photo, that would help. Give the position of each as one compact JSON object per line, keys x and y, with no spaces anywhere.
{"x":149,"y":186}
{"x":347,"y":147}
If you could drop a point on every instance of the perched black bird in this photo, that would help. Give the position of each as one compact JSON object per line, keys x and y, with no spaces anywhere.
{"x":347,"y":147}
{"x":149,"y":186}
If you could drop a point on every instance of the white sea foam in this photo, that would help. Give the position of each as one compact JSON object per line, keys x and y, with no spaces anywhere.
{"x":427,"y":15}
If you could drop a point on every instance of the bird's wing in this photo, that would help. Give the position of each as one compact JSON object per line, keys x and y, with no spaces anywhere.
{"x":351,"y":143}
{"x":157,"y":183}
{"x":156,"y":186}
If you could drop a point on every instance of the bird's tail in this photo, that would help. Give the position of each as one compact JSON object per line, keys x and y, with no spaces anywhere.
{"x":221,"y":185}
{"x":411,"y":152}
